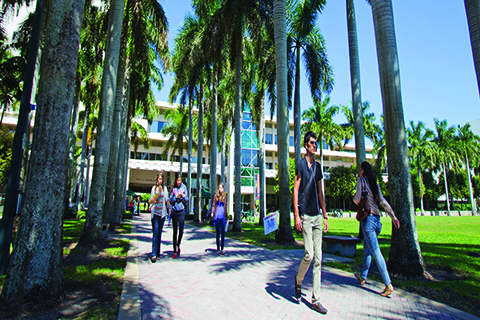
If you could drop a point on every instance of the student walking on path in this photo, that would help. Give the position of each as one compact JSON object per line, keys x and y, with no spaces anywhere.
{"x":219,"y":214}
{"x":309,"y":208}
{"x":178,"y":201}
{"x":160,"y":206}
{"x":371,"y":226}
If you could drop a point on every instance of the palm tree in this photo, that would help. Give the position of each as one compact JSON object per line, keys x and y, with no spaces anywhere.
{"x":307,"y":41}
{"x":358,"y":122}
{"x":262,"y":80}
{"x":369,"y":127}
{"x":92,"y":231}
{"x":175,"y":131}
{"x":11,"y":75}
{"x":469,"y":148}
{"x":444,"y":151}
{"x":188,"y":64}
{"x":473,"y":15}
{"x":280,"y":26}
{"x":405,"y":254}
{"x":421,"y":151}
{"x":42,"y":212}
{"x":319,"y":119}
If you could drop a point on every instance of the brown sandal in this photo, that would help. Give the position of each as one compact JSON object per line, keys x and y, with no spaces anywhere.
{"x":359,"y":278}
{"x":387,"y":291}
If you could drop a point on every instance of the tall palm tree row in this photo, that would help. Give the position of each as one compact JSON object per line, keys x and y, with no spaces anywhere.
{"x":92,"y":231}
{"x":421,"y":152}
{"x":445,"y":157}
{"x":469,"y":149}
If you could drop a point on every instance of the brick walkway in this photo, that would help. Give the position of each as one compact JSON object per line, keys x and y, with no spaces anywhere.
{"x":249,"y":283}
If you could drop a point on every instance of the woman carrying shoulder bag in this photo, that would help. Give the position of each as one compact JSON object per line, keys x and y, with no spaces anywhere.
{"x":371,"y":226}
{"x":160,"y":205}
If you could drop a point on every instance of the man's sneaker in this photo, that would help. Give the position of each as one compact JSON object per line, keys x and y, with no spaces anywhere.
{"x":298,"y":289}
{"x":317,"y":306}
{"x":174,"y":256}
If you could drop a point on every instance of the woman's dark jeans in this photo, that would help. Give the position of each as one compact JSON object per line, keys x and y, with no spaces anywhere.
{"x":220,"y":229}
{"x":157,"y":228}
{"x":178,"y":220}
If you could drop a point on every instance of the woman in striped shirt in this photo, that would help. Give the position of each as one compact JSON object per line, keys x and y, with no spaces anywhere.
{"x":372,"y":226}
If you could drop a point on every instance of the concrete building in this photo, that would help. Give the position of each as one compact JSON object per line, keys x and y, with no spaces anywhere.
{"x":145,"y":163}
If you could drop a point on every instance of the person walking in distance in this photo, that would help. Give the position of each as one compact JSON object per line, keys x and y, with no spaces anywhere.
{"x":219,"y":214}
{"x":178,"y":201}
{"x":371,"y":226}
{"x":309,"y":209}
{"x":160,"y":206}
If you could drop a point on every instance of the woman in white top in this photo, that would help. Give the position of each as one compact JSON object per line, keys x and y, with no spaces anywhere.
{"x":371,"y":226}
{"x":160,"y":205}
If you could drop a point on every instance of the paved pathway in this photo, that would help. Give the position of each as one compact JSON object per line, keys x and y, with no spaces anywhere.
{"x":249,"y":283}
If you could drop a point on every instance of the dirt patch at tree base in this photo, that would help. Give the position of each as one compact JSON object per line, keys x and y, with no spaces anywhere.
{"x":81,"y":300}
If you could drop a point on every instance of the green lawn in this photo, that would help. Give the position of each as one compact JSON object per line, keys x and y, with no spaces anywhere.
{"x":450,"y":248}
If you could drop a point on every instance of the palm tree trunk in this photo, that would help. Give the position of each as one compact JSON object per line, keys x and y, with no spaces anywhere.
{"x":405,"y":254}
{"x":112,"y":176}
{"x":420,"y":183}
{"x":261,"y":164}
{"x":473,"y":15}
{"x":198,"y":199}
{"x":284,"y":233}
{"x":190,"y":141}
{"x":355,"y":83}
{"x":122,"y":159}
{"x":40,"y":261}
{"x":71,"y":166}
{"x":92,"y":231}
{"x":83,"y":155}
{"x":223,"y":155}
{"x":237,"y":217}
{"x":296,"y":109}
{"x":213,"y":139}
{"x":3,"y":113}
{"x":470,"y":189}
{"x":444,"y":167}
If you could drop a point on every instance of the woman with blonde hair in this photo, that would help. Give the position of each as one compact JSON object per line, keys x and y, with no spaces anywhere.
{"x":219,"y":214}
{"x":160,"y":205}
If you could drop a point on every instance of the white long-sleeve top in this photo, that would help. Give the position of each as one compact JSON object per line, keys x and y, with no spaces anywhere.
{"x":362,"y":184}
{"x":165,"y":198}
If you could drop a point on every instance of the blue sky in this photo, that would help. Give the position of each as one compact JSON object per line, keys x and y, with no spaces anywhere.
{"x":436,"y":64}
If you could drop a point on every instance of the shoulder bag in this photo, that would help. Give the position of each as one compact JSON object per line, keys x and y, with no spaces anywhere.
{"x":363,"y":208}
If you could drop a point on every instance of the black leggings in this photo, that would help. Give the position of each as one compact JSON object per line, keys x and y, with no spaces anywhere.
{"x":178,"y":220}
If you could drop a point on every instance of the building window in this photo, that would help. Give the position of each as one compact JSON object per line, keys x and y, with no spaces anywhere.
{"x":276,"y":140}
{"x":269,"y":165}
{"x":157,"y":126}
{"x":268,"y":139}
{"x":292,"y":141}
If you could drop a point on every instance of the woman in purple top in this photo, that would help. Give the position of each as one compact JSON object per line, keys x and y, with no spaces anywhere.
{"x":219,"y":214}
{"x":178,"y":201}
